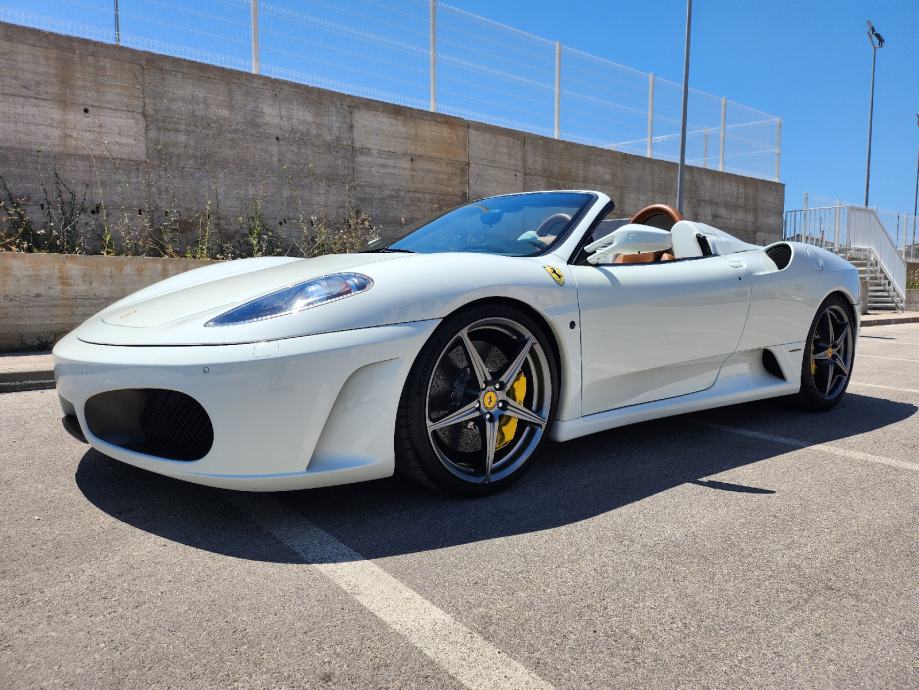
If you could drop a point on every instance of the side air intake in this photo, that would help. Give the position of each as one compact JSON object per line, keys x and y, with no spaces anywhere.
{"x":780,"y":254}
{"x":771,"y":364}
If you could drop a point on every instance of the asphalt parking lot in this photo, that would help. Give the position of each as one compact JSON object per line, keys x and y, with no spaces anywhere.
{"x":752,"y":546}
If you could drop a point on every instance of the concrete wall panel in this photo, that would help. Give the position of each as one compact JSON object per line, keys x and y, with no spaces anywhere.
{"x":168,"y":133}
{"x":47,"y":295}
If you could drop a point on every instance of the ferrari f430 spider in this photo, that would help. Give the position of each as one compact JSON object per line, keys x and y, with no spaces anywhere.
{"x":452,"y":354}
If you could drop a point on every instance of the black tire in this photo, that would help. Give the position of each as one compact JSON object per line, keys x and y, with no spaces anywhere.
{"x":825,"y":377}
{"x":427,"y":456}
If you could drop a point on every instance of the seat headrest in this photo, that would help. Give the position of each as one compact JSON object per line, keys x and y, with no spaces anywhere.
{"x":685,"y":244}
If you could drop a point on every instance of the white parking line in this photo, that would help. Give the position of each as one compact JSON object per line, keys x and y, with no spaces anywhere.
{"x":825,"y":447}
{"x":889,"y":388}
{"x":887,"y":341}
{"x":892,"y":359}
{"x":465,"y":655}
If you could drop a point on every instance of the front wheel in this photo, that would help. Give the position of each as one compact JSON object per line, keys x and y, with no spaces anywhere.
{"x":828,"y":355}
{"x":477,"y":403}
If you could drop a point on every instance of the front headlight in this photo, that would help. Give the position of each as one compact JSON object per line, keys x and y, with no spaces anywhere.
{"x":295,"y":298}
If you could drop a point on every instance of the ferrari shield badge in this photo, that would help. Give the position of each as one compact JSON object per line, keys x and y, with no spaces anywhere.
{"x":556,"y":274}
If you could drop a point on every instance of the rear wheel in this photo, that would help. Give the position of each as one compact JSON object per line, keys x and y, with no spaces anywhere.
{"x":828,"y":355}
{"x":478,"y":402}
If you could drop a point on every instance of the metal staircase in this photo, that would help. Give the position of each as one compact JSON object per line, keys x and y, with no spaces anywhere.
{"x":856,"y":234}
{"x":882,"y":296}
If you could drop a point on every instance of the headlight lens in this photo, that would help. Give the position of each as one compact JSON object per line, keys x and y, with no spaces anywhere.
{"x":295,"y":298}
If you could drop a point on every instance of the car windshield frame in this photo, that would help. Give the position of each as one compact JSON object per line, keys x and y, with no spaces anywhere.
{"x":589,"y":200}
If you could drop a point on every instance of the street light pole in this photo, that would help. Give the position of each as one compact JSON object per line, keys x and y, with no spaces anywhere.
{"x":682,"y":164}
{"x":912,"y":248}
{"x":877,"y":41}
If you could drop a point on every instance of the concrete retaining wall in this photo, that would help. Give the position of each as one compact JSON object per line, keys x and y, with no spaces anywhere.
{"x":139,"y":131}
{"x":912,"y":300}
{"x":46,"y":295}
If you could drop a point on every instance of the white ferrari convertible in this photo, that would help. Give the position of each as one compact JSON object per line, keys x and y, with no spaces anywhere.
{"x":452,"y":354}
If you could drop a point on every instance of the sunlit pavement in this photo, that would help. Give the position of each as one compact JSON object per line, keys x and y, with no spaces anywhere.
{"x":748,"y":546}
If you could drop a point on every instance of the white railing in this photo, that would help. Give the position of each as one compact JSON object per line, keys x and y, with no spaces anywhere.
{"x":825,"y":226}
{"x":841,"y":228}
{"x":901,"y":226}
{"x":865,"y":231}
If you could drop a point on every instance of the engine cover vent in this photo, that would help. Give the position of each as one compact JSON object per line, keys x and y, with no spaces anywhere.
{"x":780,"y":254}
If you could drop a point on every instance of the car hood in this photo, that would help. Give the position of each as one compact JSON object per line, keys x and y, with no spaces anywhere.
{"x":223,"y":293}
{"x":406,"y":288}
{"x":174,"y":311}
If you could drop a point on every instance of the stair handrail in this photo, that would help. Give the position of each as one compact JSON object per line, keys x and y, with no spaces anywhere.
{"x":865,"y":231}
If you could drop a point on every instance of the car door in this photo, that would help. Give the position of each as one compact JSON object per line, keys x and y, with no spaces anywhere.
{"x":657,"y":330}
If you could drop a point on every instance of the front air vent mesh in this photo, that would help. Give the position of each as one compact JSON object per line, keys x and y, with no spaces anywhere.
{"x":780,"y":254}
{"x":162,"y":423}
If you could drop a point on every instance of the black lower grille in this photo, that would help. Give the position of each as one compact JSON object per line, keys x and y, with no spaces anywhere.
{"x":176,"y":426}
{"x":163,"y":423}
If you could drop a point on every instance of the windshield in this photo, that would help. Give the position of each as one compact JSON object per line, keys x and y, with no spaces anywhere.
{"x":515,"y":225}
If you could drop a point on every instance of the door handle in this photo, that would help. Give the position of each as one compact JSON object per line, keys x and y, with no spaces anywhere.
{"x":737,"y":264}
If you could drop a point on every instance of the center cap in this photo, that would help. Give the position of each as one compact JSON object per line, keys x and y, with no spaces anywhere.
{"x":489,"y":400}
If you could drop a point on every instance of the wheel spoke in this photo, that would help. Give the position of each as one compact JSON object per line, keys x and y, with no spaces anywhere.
{"x":839,"y":364}
{"x":830,"y":377}
{"x":829,"y":325}
{"x":507,"y":378}
{"x":491,"y":444}
{"x":475,"y":359}
{"x":838,"y":343}
{"x":822,"y":355}
{"x":523,"y":414}
{"x":466,"y":412}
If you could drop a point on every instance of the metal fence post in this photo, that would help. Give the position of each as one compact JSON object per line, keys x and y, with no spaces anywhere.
{"x":778,"y":148}
{"x":650,"y":148}
{"x":724,"y":120}
{"x":117,"y":25}
{"x":558,"y":87}
{"x":433,"y":55}
{"x":256,"y":62}
{"x":836,"y":227}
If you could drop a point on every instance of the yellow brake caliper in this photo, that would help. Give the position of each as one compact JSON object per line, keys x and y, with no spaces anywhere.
{"x":507,"y":427}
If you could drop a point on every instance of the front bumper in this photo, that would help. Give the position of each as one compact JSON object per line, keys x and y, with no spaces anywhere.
{"x":286,"y":414}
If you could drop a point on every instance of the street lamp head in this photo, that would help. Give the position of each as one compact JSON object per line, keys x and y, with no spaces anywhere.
{"x":877,"y":41}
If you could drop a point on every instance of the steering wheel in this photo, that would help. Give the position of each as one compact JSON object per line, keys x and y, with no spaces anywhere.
{"x":658,"y":216}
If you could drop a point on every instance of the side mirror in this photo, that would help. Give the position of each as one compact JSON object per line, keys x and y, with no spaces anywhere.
{"x":628,"y":239}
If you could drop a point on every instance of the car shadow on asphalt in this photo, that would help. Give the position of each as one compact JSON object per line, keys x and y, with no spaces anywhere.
{"x":572,"y":481}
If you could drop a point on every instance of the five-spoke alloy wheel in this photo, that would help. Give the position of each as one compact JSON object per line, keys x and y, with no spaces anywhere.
{"x":828,"y":355}
{"x":478,"y":402}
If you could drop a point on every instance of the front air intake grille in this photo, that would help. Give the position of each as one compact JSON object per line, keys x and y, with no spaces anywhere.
{"x":163,"y":423}
{"x":780,"y":254}
{"x":176,"y":426}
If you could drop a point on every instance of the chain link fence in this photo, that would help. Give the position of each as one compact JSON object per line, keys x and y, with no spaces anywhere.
{"x":427,"y":54}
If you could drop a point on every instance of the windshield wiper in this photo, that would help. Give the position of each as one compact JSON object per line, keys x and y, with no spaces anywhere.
{"x":394,"y":250}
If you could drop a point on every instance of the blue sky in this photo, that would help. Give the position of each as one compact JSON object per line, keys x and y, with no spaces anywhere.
{"x":806,"y":61}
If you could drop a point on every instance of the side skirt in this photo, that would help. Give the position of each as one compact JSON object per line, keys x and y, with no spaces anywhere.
{"x":743,"y":378}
